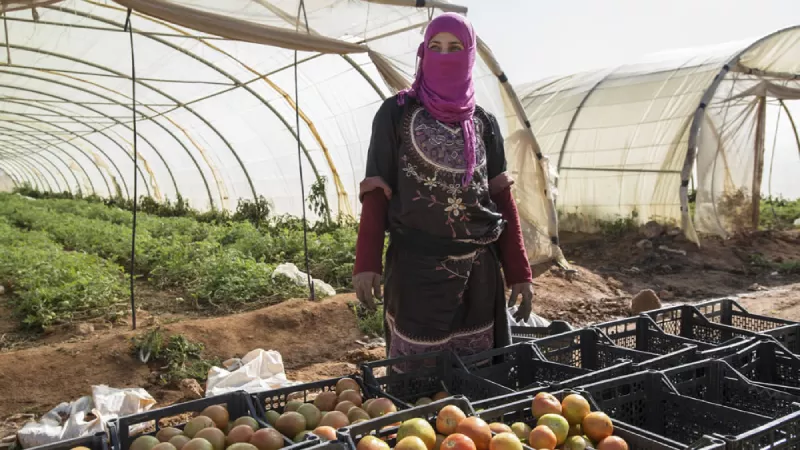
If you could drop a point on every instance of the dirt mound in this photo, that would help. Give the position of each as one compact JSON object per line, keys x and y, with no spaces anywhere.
{"x":304,"y":332}
{"x":581,"y":298}
{"x":36,"y":379}
{"x":677,"y":269}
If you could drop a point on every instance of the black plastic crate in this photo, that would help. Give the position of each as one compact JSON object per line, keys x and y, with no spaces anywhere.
{"x":641,"y":333}
{"x":521,"y":367}
{"x":768,"y":364}
{"x":520,"y":411}
{"x":276,"y":399}
{"x":524,"y":333}
{"x":780,"y":434}
{"x":687,"y":356}
{"x":430,"y":374}
{"x":688,"y":322}
{"x":384,"y":427}
{"x":98,"y":441}
{"x":649,"y":403}
{"x":678,"y":358}
{"x":716,"y":381}
{"x":237,"y":403}
{"x":730,"y":347}
{"x":588,"y":349}
{"x":728,"y":311}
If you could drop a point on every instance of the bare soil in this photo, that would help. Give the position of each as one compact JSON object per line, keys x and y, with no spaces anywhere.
{"x":318,"y":339}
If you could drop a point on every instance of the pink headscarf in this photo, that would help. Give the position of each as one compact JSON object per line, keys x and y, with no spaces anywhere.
{"x":444,"y":81}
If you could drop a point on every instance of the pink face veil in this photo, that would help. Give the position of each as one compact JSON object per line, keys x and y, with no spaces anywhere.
{"x":444,"y":85}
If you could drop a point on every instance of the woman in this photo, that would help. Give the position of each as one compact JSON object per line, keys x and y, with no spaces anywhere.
{"x":436,"y":179}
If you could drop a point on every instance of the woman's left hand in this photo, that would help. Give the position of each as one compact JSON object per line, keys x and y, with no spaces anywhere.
{"x":526,"y":291}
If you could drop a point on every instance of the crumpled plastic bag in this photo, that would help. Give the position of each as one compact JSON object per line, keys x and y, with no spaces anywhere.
{"x":85,"y":416}
{"x":533,"y":321}
{"x":34,"y":434}
{"x":65,"y":421}
{"x":112,"y":403}
{"x":300,"y":278}
{"x":258,"y":370}
{"x":83,"y":420}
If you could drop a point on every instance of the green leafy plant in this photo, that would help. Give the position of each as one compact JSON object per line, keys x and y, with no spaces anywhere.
{"x":224,"y":265}
{"x":736,"y":209}
{"x":27,"y":190}
{"x":254,"y":211}
{"x":778,"y":213}
{"x":213,"y":216}
{"x":785,"y":267}
{"x":620,"y":226}
{"x":179,"y":357}
{"x":369,"y":322}
{"x":583,"y":222}
{"x":49,"y":285}
{"x":318,"y":199}
{"x":166,"y":208}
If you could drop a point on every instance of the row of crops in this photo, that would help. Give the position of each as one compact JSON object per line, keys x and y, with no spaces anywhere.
{"x":69,"y":257}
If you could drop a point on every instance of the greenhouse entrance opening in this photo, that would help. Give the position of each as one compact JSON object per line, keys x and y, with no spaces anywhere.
{"x":741,"y":172}
{"x":748,"y":135}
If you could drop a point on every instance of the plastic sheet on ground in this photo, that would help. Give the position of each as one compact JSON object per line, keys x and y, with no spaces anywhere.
{"x":84,"y":416}
{"x":256,"y":371}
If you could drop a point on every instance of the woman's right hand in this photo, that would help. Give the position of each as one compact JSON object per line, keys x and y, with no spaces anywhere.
{"x":368,"y":288}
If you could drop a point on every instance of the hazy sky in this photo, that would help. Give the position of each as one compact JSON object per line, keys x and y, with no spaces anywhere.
{"x":537,"y":38}
{"x":534,"y":39}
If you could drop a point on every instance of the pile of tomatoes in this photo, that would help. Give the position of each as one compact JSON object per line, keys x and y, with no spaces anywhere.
{"x":568,"y":425}
{"x":454,"y":431}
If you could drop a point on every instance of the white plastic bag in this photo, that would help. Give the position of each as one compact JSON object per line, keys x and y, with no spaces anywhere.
{"x":111,"y":403}
{"x":78,"y":424}
{"x":258,"y":370}
{"x":39,"y":433}
{"x":69,"y":420}
{"x":53,"y":429}
{"x":533,"y":321}
{"x":300,"y":278}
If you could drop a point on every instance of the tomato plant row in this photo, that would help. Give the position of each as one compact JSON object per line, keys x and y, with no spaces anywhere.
{"x":216,"y":264}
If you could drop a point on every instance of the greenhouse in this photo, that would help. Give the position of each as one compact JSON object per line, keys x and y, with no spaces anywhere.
{"x":632,"y":141}
{"x":233,"y":100}
{"x":218,"y":102}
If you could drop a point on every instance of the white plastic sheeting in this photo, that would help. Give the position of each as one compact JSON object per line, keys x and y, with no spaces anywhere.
{"x":215,"y":98}
{"x":619,"y":138}
{"x":258,"y":370}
